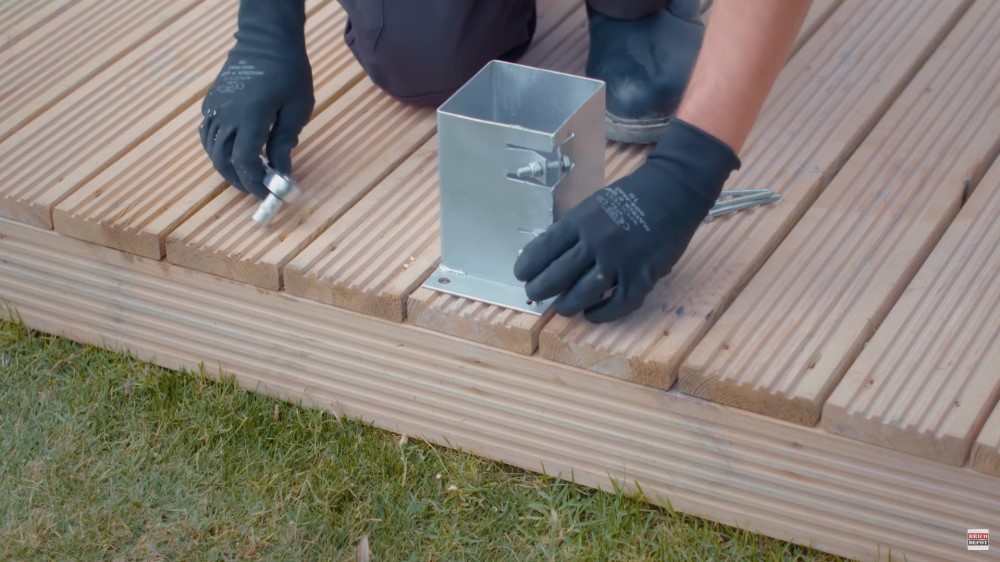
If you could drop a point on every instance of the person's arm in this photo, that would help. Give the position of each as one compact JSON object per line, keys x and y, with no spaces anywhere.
{"x":746,"y":44}
{"x":630,"y":234}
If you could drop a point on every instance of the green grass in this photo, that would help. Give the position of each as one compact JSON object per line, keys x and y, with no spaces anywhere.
{"x":105,"y":457}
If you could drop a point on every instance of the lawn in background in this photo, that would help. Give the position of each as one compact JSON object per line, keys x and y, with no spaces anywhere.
{"x":103,"y":456}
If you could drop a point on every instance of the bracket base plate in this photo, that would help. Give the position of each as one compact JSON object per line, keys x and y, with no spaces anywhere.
{"x":484,"y":290}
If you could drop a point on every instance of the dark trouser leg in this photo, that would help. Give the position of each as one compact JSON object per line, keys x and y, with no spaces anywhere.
{"x":422,"y":51}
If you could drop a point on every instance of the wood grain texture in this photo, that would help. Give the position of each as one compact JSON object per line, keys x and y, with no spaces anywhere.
{"x":48,"y":159}
{"x":986,"y":452}
{"x":824,"y":102}
{"x":20,"y":17}
{"x":373,"y":257}
{"x":376,"y":255}
{"x":65,"y":51}
{"x":346,"y":150}
{"x":134,"y":203}
{"x":819,"y":12}
{"x":792,"y":333}
{"x":382,"y":249}
{"x":787,"y":481}
{"x":493,"y":325}
{"x":928,"y":379}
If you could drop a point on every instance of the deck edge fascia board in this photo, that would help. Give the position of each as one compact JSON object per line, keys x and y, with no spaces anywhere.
{"x":702,"y":458}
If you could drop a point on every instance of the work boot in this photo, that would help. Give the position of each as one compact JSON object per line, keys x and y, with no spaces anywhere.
{"x":646,"y":64}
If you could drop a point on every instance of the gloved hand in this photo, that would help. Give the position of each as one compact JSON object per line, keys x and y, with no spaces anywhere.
{"x":631,"y":233}
{"x":263,"y":95}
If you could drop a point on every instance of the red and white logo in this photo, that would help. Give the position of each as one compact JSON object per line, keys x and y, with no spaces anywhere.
{"x":979,"y":539}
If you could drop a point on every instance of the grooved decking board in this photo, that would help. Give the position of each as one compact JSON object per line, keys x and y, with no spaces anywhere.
{"x":825,"y":101}
{"x":818,"y":13}
{"x":144,"y":195}
{"x":362,"y":262}
{"x":509,"y":329}
{"x":929,"y":378}
{"x":19,"y":17}
{"x":347,"y":149}
{"x":793,"y":332}
{"x":100,"y":121}
{"x":63,"y":52}
{"x":790,"y":482}
{"x":986,"y":452}
{"x":370,"y":261}
{"x":493,"y":325}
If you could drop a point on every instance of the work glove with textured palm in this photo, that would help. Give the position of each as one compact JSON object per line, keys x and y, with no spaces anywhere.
{"x":630,"y":234}
{"x":262,"y":97}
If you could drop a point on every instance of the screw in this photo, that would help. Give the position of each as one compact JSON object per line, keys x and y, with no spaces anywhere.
{"x":745,"y":192}
{"x":740,"y":204}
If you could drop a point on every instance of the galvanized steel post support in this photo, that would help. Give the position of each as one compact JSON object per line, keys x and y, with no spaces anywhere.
{"x":518,"y":146}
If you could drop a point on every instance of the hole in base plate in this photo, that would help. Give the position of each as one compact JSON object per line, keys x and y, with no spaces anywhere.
{"x":444,"y":280}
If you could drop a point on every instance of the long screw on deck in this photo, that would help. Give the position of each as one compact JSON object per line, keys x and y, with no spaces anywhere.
{"x":741,"y":199}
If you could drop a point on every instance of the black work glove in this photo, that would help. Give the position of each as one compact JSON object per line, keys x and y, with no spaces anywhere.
{"x":263,"y":95}
{"x":631,"y":233}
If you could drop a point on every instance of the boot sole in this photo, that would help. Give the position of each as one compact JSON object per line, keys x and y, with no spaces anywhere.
{"x":634,"y":131}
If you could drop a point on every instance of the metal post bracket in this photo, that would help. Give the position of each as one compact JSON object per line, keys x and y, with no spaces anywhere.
{"x":518,"y":146}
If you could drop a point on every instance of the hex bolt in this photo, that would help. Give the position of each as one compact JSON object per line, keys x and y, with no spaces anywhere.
{"x":281,"y":189}
{"x":535,"y":170}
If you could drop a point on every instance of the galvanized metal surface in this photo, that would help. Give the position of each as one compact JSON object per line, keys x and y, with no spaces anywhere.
{"x":518,"y":146}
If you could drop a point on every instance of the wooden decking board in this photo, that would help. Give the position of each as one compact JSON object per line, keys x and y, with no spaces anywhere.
{"x":363,"y":261}
{"x":516,"y":331}
{"x":476,"y":321}
{"x":54,"y":154}
{"x":986,"y":452}
{"x":487,"y":324}
{"x":825,"y":101}
{"x":347,"y":150}
{"x":20,"y":17}
{"x":819,"y":12}
{"x":138,"y":200}
{"x":65,"y":50}
{"x":793,"y":332}
{"x":927,"y":380}
{"x":787,"y":481}
{"x":805,"y":484}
